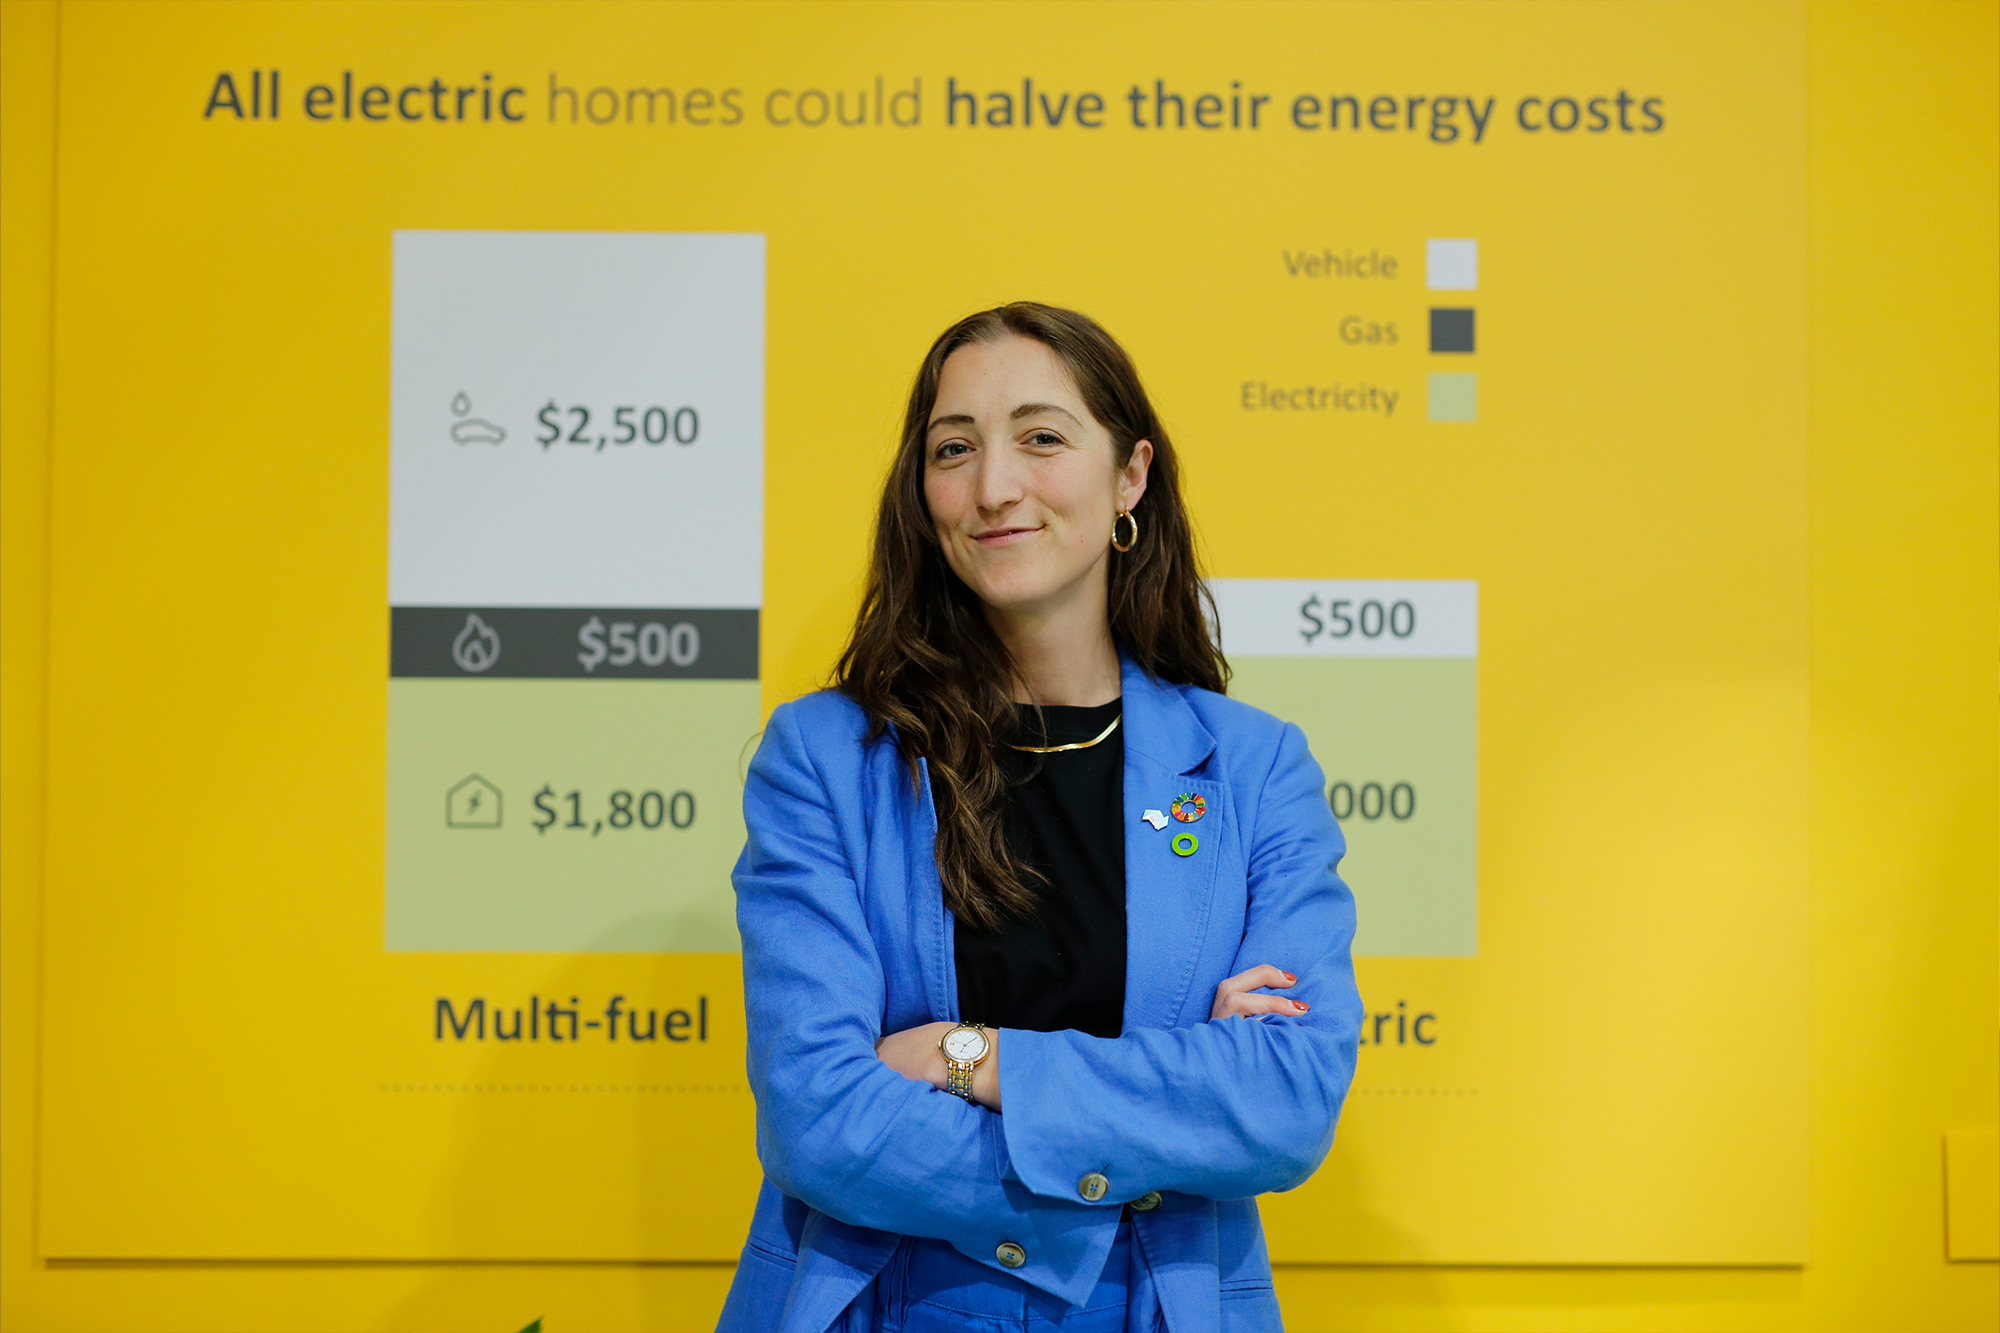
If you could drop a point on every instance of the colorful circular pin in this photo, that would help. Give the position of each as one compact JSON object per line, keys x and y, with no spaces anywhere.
{"x":1187,"y":808}
{"x":1185,"y":844}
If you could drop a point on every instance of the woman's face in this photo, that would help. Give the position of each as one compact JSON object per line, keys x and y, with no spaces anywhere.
{"x":1023,"y":483}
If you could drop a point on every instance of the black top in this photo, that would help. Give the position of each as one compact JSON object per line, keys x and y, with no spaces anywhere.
{"x":1063,"y":967}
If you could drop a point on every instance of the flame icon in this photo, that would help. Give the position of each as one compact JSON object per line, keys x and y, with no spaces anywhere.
{"x":477,"y":647}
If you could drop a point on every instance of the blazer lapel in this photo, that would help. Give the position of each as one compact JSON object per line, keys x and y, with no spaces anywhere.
{"x":1166,"y":895}
{"x":930,"y":919}
{"x":1167,"y":899}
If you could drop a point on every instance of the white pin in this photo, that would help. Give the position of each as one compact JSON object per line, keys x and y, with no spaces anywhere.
{"x":1155,"y":818}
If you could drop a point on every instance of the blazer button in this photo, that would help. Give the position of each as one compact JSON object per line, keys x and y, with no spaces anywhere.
{"x":1010,"y":1254}
{"x":1093,"y":1187}
{"x":1146,"y":1203}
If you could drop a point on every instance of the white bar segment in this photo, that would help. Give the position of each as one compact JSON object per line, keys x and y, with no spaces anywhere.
{"x":505,"y":339}
{"x":1348,"y":617}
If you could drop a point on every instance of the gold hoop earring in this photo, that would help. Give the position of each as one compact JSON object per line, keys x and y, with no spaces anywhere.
{"x":1131,"y":541}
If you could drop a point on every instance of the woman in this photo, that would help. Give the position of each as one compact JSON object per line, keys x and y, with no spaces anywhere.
{"x":1010,"y":884}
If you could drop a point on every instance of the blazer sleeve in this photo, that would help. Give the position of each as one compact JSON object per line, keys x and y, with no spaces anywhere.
{"x":837,"y":1128}
{"x":1224,"y":1108}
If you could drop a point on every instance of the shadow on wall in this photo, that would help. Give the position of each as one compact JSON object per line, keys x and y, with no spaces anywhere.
{"x":1339,"y":1189}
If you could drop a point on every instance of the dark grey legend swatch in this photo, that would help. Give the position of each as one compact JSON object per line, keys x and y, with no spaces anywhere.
{"x":1451,"y":329}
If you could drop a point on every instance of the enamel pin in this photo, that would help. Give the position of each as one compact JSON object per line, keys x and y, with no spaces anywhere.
{"x":1155,"y":818}
{"x":1188,"y":807}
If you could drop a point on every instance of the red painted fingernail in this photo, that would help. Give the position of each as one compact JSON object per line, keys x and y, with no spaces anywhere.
{"x":1301,"y":1004}
{"x":1290,"y":977}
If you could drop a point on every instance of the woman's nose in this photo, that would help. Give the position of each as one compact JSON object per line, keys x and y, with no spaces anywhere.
{"x":999,"y":481}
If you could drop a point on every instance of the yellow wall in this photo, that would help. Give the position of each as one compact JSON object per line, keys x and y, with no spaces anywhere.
{"x":1904,"y":512}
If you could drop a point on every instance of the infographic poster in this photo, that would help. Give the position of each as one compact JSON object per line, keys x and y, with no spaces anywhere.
{"x":576,"y":563}
{"x":477,"y":413}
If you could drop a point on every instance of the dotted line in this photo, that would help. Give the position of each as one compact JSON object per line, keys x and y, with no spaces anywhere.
{"x":564,"y":1087}
{"x":1415,"y":1092}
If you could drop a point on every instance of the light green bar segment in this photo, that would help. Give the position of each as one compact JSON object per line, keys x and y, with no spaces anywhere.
{"x":1454,"y":396}
{"x":535,"y":880}
{"x":1392,"y":721}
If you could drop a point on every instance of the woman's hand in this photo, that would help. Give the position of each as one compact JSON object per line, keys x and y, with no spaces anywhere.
{"x":914,"y":1054}
{"x":1233,"y":998}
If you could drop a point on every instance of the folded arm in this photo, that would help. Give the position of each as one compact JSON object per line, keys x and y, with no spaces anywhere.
{"x":1229,"y":1107}
{"x":836,"y":1127}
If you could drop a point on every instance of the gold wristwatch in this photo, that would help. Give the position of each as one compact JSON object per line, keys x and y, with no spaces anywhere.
{"x":963,"y":1047}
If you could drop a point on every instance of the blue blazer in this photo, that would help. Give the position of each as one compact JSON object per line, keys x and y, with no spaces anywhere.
{"x":846,"y":937}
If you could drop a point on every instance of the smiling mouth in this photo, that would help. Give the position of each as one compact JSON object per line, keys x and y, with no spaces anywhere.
{"x":1003,"y":536}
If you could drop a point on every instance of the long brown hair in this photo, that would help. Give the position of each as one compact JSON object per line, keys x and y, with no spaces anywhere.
{"x":924,"y":660}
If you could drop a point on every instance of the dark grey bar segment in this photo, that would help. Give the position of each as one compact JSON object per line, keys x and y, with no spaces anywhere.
{"x":581,"y":643}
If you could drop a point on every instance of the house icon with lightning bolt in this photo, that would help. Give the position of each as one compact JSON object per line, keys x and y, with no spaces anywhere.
{"x":472,"y":802}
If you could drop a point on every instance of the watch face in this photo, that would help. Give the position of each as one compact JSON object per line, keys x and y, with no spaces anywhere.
{"x":966,"y":1044}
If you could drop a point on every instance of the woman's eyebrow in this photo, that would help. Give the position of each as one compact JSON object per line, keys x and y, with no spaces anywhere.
{"x":1024,"y":410}
{"x":1042,"y":409}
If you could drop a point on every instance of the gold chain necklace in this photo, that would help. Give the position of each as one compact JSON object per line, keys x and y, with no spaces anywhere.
{"x":1073,"y":745}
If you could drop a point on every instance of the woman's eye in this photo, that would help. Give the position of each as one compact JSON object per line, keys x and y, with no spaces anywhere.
{"x":1047,"y":439}
{"x":951,"y":449}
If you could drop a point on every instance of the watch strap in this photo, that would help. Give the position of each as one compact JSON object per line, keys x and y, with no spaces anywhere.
{"x":958,"y":1073}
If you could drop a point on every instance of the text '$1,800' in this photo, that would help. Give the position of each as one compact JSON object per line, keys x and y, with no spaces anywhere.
{"x":624,"y":642}
{"x":623,"y":810}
